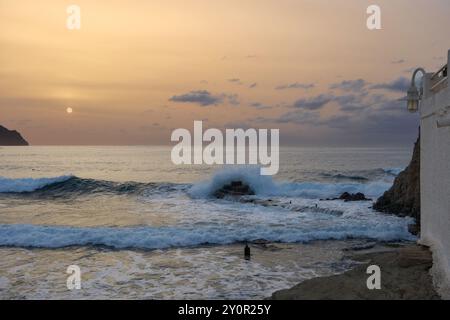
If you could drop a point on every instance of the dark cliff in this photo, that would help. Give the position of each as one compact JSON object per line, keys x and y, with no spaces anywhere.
{"x":403,"y":198}
{"x":11,"y":138}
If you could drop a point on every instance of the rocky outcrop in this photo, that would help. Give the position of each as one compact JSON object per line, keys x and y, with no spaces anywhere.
{"x":403,"y":198}
{"x":11,"y":138}
{"x":348,"y":197}
{"x":354,"y":197}
{"x":235,"y":188}
{"x":405,"y":276}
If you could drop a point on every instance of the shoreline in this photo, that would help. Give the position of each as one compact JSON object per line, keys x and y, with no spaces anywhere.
{"x":405,"y":275}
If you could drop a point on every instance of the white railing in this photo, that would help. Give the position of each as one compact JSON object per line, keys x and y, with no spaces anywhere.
{"x":439,"y":79}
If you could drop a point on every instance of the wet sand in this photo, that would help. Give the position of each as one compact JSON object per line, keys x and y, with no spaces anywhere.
{"x":404,"y":276}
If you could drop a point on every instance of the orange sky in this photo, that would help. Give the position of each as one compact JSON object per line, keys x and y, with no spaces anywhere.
{"x":132,"y":69}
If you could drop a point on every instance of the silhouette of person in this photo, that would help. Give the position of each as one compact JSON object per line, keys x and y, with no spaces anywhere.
{"x":247,"y":253}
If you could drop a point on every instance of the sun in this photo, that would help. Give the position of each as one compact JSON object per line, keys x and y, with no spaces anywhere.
{"x":69,"y":110}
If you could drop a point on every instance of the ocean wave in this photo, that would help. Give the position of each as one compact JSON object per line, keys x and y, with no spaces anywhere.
{"x":362,"y":175}
{"x":261,"y":185}
{"x":316,"y":190}
{"x":340,"y":176}
{"x":36,"y":236}
{"x":72,"y":186}
{"x":20,"y":185}
{"x":266,"y":186}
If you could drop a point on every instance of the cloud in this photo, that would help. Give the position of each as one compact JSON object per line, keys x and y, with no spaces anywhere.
{"x":391,"y":121}
{"x":363,"y":119}
{"x":377,"y":115}
{"x":246,"y":124}
{"x":233,"y":99}
{"x":200,"y":97}
{"x":150,"y":126}
{"x":236,"y":81}
{"x":295,"y":85}
{"x":364,"y":116}
{"x":260,"y":106}
{"x":306,"y":117}
{"x":314,"y":103}
{"x":349,"y":85}
{"x":398,"y":85}
{"x":353,"y":102}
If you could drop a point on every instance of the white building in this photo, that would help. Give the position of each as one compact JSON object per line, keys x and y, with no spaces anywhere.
{"x":435,"y":174}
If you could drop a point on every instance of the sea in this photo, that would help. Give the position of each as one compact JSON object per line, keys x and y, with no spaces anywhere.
{"x":139,"y":227}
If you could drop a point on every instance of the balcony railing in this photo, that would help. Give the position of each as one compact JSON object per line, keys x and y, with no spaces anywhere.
{"x":439,"y":80}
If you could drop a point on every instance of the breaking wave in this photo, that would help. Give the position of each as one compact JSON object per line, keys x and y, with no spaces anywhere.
{"x":372,"y":183}
{"x":296,"y":216}
{"x":266,"y":186}
{"x":72,"y":185}
{"x":36,"y":236}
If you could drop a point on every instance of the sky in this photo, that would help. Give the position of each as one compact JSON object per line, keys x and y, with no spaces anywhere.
{"x":136,"y":70}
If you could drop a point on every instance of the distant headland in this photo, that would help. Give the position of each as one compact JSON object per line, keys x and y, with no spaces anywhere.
{"x":11,"y":138}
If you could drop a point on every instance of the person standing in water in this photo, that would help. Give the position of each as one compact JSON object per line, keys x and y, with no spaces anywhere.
{"x":247,"y":254}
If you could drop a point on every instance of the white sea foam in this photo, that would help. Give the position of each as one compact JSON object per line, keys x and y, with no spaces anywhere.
{"x":328,"y":190}
{"x":197,"y":220}
{"x":28,"y":184}
{"x":379,"y":228}
{"x":191,"y":273}
{"x":265,"y":186}
{"x":248,"y":174}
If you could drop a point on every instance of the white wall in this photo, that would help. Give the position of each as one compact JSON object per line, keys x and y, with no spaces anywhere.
{"x":435,"y":181}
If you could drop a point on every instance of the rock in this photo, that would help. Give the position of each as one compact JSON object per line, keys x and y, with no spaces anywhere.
{"x":414,"y":229}
{"x":353,"y":197}
{"x":235,"y":188}
{"x":261,"y":202}
{"x":11,"y":138}
{"x":403,"y":198}
{"x":405,"y":276}
{"x":347,"y":197}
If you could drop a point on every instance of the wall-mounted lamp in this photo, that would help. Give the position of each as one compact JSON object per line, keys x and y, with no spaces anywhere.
{"x":414,"y":96}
